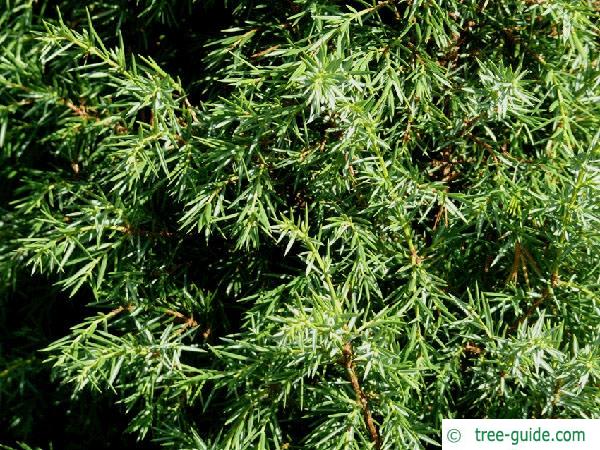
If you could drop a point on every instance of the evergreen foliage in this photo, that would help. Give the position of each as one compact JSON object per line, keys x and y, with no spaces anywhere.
{"x":299,"y":224}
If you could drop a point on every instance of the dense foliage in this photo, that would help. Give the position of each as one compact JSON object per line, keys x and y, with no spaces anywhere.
{"x":299,"y":224}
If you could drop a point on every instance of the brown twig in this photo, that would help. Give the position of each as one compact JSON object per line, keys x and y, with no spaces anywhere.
{"x":406,"y":136}
{"x":442,"y":211}
{"x":553,"y":282}
{"x":79,"y":110}
{"x":514,"y":272}
{"x":361,"y":398}
{"x":472,"y":349}
{"x":188,"y":322}
{"x":485,"y":145}
{"x":265,"y":52}
{"x":468,"y":124}
{"x":461,"y":38}
{"x":131,"y":231}
{"x":120,"y":309}
{"x":190,"y":108}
